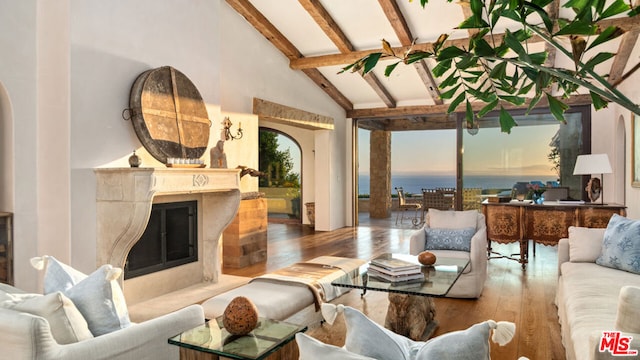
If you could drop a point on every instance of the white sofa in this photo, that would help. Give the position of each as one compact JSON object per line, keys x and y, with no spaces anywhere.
{"x":592,"y":298}
{"x":27,"y":336}
{"x":471,"y":282}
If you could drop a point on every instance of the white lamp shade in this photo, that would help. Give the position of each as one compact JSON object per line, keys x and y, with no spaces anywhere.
{"x":592,"y":164}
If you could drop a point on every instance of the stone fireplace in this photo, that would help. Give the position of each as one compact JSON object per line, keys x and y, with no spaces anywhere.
{"x":124,"y":198}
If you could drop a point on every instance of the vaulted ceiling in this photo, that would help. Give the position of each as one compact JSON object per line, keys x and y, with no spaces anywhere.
{"x":320,"y":37}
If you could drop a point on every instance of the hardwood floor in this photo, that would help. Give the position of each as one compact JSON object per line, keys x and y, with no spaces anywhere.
{"x":511,"y":294}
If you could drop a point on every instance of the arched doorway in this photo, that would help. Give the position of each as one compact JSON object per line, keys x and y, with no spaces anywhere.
{"x":280,"y":159}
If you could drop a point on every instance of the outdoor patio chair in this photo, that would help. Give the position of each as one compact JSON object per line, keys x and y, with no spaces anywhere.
{"x":437,"y":199}
{"x":403,"y":206}
{"x":471,"y":198}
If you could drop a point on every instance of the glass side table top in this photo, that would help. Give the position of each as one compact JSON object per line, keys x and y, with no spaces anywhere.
{"x":211,"y":337}
{"x":438,"y":278}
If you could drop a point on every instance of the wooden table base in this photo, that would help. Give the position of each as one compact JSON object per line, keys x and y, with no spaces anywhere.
{"x":412,"y":316}
{"x":286,"y":352}
{"x":522,"y":257}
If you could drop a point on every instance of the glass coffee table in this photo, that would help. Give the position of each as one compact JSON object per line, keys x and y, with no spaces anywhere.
{"x":411,"y":310}
{"x":271,"y":340}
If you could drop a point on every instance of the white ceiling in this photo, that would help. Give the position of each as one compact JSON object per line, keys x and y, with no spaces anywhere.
{"x":365,"y":24}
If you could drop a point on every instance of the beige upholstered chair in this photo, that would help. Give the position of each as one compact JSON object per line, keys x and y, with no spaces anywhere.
{"x":471,"y":282}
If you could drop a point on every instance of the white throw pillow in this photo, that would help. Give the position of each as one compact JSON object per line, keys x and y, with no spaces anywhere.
{"x":365,"y":337}
{"x":66,"y":322}
{"x":585,"y":244}
{"x":58,"y":276}
{"x":628,"y":316}
{"x":98,"y":296}
{"x":312,"y":349}
{"x":452,"y":219}
{"x":469,"y":344}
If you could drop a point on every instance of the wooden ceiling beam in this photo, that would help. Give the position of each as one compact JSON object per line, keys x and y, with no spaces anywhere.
{"x":626,"y":24}
{"x":345,"y":59}
{"x":401,"y":28}
{"x":322,"y":17}
{"x":397,"y":21}
{"x":265,"y":27}
{"x":329,"y":88}
{"x":625,"y":48}
{"x":553,"y":9}
{"x":437,"y":122}
{"x":380,"y":90}
{"x":426,"y":110}
{"x":271,"y":33}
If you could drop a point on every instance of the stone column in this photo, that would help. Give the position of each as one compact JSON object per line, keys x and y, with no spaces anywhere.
{"x":380,"y":172}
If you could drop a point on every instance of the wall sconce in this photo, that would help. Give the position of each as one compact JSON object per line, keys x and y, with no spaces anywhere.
{"x":227,"y":130}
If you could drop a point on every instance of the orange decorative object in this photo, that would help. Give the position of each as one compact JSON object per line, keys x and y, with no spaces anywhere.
{"x":240,"y":316}
{"x":427,"y":258}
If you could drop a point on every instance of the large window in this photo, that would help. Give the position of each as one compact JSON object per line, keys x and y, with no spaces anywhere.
{"x":419,"y":159}
{"x":539,"y":150}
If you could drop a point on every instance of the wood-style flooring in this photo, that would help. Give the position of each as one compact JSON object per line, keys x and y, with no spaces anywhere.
{"x":510,"y":294}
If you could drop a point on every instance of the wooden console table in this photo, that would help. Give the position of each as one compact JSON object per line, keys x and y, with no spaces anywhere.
{"x":6,"y":248}
{"x":544,"y":224}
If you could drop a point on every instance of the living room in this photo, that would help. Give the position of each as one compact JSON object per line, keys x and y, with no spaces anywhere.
{"x":68,"y":68}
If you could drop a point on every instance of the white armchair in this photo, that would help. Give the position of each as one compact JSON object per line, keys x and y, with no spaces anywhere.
{"x":471,"y":282}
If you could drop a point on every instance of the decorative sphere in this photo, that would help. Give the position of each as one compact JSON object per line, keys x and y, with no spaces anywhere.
{"x":427,"y":258}
{"x":240,"y":316}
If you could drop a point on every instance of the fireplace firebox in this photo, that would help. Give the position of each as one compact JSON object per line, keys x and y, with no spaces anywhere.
{"x":170,"y":239}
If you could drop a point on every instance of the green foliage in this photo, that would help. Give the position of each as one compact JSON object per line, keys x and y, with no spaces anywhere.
{"x":275,"y":163}
{"x":496,"y":70}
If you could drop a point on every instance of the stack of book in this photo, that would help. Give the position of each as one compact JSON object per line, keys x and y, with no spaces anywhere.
{"x":395,"y":270}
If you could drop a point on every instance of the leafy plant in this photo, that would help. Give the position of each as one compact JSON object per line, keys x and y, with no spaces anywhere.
{"x":554,"y":157}
{"x":495,"y":69}
{"x":277,"y":164}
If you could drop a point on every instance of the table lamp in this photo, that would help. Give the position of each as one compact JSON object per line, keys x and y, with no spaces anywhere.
{"x":590,"y":164}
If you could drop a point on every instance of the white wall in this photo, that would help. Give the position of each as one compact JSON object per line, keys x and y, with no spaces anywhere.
{"x":254,"y":68}
{"x":608,"y":138}
{"x":67,"y":67}
{"x":18,"y":74}
{"x":111,"y":44}
{"x":53,"y":131}
{"x":630,"y":88}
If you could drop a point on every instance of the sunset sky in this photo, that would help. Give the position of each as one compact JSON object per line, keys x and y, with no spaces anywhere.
{"x":523,"y":152}
{"x":490,"y":152}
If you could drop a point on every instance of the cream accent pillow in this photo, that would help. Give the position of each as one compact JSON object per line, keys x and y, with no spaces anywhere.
{"x":585,"y":244}
{"x":66,"y":322}
{"x":366,"y":338}
{"x":628,"y":316}
{"x":447,"y":219}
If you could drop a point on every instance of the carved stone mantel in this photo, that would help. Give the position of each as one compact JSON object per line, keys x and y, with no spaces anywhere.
{"x":124,"y":197}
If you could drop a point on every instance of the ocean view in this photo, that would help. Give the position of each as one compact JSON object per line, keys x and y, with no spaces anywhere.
{"x":414,"y":183}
